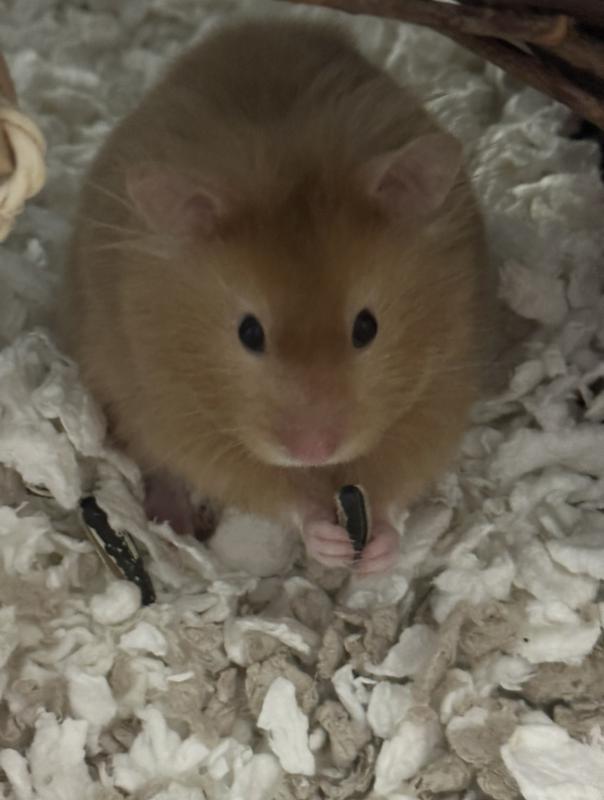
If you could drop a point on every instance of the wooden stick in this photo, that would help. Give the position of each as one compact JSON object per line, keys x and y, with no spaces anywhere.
{"x":483,"y":34}
{"x":590,"y":11}
{"x":581,"y":50}
{"x":546,"y":77}
{"x":545,"y":29}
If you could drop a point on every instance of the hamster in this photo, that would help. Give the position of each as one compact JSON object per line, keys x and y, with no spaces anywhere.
{"x":278,"y":285}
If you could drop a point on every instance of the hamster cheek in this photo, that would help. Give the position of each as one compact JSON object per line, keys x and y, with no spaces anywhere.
{"x":327,"y":543}
{"x":382,"y":552}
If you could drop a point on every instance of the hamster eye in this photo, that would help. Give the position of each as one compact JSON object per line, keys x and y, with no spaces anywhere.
{"x":364,"y":329}
{"x":251,"y":334}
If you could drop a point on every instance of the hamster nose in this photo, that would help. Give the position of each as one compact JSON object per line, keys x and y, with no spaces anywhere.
{"x":311,"y":447}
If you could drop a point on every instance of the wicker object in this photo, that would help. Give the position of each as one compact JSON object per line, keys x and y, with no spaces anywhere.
{"x":7,"y":92}
{"x":557,"y":46}
{"x":22,"y":148}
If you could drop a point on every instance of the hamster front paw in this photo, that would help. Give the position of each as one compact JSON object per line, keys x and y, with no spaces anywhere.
{"x":328,"y":544}
{"x":167,"y":499}
{"x":382,"y":552}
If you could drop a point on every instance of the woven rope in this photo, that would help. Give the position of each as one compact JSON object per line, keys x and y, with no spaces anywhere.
{"x":22,"y":140}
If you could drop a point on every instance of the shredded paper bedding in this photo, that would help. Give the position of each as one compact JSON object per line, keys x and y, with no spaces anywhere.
{"x":476,"y":669}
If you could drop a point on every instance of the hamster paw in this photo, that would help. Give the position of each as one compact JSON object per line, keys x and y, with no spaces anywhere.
{"x":382,"y":551}
{"x":328,"y":544}
{"x":167,"y":500}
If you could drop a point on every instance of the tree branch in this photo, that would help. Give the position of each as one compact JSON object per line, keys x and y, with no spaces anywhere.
{"x":582,"y":50}
{"x":543,"y":29}
{"x":546,"y":77}
{"x":590,"y":11}
{"x":557,"y":52}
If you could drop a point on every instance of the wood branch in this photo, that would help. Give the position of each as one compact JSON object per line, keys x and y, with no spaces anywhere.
{"x":543,"y":29}
{"x":582,"y":50}
{"x":547,"y":44}
{"x":590,"y":11}
{"x":546,"y":77}
{"x":579,"y":47}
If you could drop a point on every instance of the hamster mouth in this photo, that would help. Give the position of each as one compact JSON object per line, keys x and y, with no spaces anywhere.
{"x":314,"y":445}
{"x":274,"y":453}
{"x":276,"y":456}
{"x":283,"y":460}
{"x":309,"y":445}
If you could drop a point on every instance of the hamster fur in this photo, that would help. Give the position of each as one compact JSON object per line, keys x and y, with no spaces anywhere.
{"x":274,"y":172}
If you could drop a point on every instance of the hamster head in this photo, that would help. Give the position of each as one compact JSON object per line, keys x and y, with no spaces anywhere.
{"x":300,"y":326}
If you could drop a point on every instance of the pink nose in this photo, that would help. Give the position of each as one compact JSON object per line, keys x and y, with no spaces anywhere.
{"x":311,"y":447}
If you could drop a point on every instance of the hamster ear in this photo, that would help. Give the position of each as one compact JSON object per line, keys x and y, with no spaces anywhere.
{"x":171,"y":202}
{"x":417,"y":178}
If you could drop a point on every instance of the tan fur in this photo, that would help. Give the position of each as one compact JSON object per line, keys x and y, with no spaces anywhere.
{"x":283,"y":114}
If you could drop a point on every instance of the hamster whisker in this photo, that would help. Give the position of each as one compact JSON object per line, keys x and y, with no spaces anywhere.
{"x":110,"y":226}
{"x":119,"y":199}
